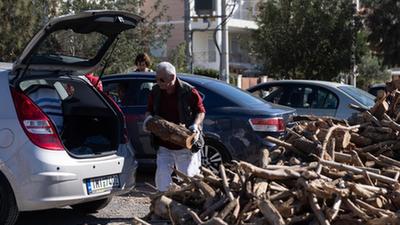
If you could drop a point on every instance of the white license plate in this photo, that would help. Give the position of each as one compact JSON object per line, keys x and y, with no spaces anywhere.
{"x":102,"y":184}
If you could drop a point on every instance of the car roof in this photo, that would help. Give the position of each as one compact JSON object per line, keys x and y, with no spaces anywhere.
{"x":193,"y":78}
{"x":381,"y":85}
{"x":314,"y":82}
{"x":5,"y":66}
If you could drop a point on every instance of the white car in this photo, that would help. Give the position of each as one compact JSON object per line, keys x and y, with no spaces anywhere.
{"x":63,"y":142}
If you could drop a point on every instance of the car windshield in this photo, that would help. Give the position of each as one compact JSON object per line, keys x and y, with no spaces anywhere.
{"x":67,"y":46}
{"x":359,"y":95}
{"x":234,"y":94}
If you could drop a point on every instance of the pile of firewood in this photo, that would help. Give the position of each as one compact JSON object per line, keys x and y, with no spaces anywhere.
{"x":325,"y":171}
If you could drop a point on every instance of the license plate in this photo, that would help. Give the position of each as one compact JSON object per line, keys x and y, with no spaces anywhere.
{"x":102,"y":184}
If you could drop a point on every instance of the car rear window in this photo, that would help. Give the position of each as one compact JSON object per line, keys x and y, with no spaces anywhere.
{"x":234,"y":94}
{"x":359,"y":95}
{"x":69,"y":47}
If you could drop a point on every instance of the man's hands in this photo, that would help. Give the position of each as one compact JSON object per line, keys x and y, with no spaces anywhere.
{"x":145,"y":122}
{"x":195,"y":129}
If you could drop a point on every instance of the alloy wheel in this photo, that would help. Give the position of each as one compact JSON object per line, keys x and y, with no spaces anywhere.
{"x":211,"y":158}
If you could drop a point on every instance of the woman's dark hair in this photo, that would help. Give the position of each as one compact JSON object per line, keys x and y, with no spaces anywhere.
{"x":143,"y":57}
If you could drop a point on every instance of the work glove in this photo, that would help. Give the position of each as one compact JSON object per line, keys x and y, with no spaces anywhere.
{"x":145,"y":123}
{"x":195,"y":129}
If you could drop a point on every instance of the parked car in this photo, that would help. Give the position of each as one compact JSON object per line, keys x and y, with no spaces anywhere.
{"x":311,"y":97}
{"x":235,"y":124}
{"x":374,"y":88}
{"x":62,"y":142}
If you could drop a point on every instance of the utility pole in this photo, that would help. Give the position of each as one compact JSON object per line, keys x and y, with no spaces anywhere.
{"x":354,"y":72}
{"x":188,"y":36}
{"x":224,"y":57}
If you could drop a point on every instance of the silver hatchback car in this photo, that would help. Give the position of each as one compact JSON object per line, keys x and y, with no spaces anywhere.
{"x":63,"y":142}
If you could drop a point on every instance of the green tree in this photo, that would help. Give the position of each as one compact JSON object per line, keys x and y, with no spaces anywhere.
{"x":18,"y":25}
{"x":309,"y":39}
{"x":370,"y":72}
{"x":178,"y":58}
{"x":383,"y":21}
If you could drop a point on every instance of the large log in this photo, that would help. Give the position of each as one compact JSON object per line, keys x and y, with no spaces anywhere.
{"x":171,"y":132}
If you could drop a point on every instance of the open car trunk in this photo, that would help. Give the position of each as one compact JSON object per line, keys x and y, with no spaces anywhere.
{"x":88,"y":125}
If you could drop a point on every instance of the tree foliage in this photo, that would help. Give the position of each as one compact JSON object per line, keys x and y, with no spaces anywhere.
{"x":18,"y":24}
{"x":370,"y":72}
{"x":310,"y":39}
{"x":383,"y":21}
{"x":21,"y":19}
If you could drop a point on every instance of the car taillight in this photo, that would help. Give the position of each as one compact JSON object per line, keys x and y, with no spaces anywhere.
{"x":275,"y":124}
{"x":37,"y":126}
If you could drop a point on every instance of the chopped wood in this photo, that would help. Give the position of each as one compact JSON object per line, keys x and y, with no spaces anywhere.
{"x":171,"y":132}
{"x":271,"y":214}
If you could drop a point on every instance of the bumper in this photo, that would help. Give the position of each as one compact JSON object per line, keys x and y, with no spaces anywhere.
{"x":43,"y":179}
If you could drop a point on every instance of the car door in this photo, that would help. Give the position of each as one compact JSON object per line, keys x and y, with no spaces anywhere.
{"x":306,"y":99}
{"x":131,"y":95}
{"x":291,"y":95}
{"x":323,"y":102}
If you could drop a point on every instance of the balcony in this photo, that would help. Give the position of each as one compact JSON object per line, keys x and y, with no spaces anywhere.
{"x":246,"y":10}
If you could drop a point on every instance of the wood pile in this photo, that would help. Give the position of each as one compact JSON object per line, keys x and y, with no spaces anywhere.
{"x":326,"y":171}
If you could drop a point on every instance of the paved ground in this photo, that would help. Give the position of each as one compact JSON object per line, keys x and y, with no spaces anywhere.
{"x":119,"y":211}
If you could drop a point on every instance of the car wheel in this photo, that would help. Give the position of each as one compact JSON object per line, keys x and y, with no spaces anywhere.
{"x":91,"y":207}
{"x":8,"y":206}
{"x":213,"y":154}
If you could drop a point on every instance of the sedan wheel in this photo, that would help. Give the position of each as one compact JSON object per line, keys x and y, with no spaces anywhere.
{"x":211,"y":158}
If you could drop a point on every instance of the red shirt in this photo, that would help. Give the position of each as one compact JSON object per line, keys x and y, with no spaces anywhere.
{"x":94,"y":80}
{"x":169,"y":110}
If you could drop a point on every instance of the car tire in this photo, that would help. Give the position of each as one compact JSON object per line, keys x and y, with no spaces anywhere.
{"x":8,"y":205}
{"x":213,"y":154}
{"x":91,"y":207}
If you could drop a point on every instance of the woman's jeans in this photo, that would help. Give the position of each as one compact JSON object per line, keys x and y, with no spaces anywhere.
{"x":184,"y":160}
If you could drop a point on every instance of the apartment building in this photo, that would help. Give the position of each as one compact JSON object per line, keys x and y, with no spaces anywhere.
{"x":204,"y":38}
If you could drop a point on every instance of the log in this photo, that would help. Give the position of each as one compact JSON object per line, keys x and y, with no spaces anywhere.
{"x":357,"y":211}
{"x":170,"y":209}
{"x":271,"y":214}
{"x":285,"y":144}
{"x":359,"y":140}
{"x":342,"y":137}
{"x":356,"y":170}
{"x":305,"y":145}
{"x":138,"y":221}
{"x":212,"y":221}
{"x":225,"y":182}
{"x":313,"y":201}
{"x":171,"y":132}
{"x":380,"y":145}
{"x":380,"y":108}
{"x":269,"y":174}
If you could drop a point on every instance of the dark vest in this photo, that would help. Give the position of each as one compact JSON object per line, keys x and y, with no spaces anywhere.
{"x":186,"y":113}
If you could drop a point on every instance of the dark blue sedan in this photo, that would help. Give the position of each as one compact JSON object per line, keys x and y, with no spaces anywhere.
{"x":235,"y":124}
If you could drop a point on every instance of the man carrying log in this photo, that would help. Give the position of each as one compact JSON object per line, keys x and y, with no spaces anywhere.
{"x":178,"y":102}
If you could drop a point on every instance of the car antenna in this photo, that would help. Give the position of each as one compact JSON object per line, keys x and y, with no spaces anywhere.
{"x":106,"y":62}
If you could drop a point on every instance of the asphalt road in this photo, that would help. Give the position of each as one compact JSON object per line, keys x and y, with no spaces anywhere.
{"x":120,"y":210}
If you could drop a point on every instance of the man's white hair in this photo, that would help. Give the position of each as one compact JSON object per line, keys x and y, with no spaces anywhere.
{"x":166,"y":67}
